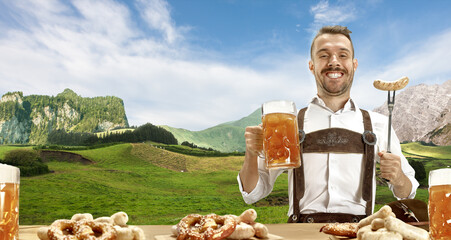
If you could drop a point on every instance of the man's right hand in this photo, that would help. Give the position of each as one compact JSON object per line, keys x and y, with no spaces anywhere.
{"x":253,"y":136}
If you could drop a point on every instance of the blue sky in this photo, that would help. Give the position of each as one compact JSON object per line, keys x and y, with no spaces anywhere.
{"x":197,"y":63}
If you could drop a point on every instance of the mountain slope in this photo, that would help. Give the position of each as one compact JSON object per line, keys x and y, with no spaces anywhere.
{"x":29,"y":119}
{"x":225,"y":137}
{"x":422,"y":113}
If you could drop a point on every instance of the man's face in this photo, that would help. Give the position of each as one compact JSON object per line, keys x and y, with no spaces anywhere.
{"x":332,"y":64}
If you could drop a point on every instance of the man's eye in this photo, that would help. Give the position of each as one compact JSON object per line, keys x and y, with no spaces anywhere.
{"x":323,"y":56}
{"x":343,"y":56}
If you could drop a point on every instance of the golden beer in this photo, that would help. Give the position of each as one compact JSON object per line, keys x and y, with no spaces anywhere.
{"x":280,"y":135}
{"x":9,"y":202}
{"x":440,"y":204}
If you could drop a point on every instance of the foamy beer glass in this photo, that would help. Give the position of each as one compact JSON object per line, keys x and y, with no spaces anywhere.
{"x":280,"y":135}
{"x":9,"y":202}
{"x":440,"y":203}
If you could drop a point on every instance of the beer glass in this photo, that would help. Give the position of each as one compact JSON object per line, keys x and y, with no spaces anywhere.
{"x":280,"y":135}
{"x":9,"y":202}
{"x":440,"y":203}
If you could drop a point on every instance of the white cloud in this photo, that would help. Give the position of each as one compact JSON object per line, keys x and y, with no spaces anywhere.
{"x":95,"y":49}
{"x":325,"y":14}
{"x":424,"y":61}
{"x":157,"y":14}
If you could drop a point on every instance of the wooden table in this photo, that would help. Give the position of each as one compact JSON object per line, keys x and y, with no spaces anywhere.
{"x":286,"y":231}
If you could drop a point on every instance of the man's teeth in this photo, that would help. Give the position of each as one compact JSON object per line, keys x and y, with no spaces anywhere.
{"x":334,"y":75}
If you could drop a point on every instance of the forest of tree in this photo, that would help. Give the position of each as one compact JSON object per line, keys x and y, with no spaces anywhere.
{"x":146,"y":132}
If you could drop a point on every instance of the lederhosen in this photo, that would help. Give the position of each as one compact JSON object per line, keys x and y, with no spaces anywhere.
{"x":337,"y":140}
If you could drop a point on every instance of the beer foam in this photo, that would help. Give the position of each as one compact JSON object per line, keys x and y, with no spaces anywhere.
{"x":9,"y":174}
{"x":440,"y":177}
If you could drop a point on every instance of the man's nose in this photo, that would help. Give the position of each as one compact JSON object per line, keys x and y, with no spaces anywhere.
{"x":333,"y":61}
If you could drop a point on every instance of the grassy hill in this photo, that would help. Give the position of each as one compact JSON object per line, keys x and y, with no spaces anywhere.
{"x":226,"y":137}
{"x":432,"y":157}
{"x":155,"y":186}
{"x":130,"y":178}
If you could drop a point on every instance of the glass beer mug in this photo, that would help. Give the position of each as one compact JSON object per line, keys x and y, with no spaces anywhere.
{"x":9,"y":202}
{"x":280,"y":135}
{"x":440,"y":203}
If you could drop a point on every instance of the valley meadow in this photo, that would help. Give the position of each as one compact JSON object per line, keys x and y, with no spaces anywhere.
{"x":156,"y":186}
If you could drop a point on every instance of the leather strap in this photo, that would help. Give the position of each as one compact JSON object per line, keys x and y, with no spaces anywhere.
{"x":336,"y":140}
{"x":327,"y":218}
{"x":369,"y":138}
{"x":298,"y":173}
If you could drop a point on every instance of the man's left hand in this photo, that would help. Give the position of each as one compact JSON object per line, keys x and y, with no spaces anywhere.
{"x":390,"y":167}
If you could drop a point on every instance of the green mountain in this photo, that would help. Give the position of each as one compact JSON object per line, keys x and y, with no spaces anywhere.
{"x":225,"y":137}
{"x":29,"y":119}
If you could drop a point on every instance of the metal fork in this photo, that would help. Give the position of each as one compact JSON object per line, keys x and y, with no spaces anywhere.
{"x":391,"y":105}
{"x":407,"y":211}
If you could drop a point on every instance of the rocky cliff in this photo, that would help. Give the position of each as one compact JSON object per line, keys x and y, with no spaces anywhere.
{"x":29,"y":119}
{"x":422,"y":113}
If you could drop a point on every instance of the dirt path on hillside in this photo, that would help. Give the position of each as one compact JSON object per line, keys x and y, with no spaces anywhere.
{"x":160,"y":157}
{"x":61,"y":156}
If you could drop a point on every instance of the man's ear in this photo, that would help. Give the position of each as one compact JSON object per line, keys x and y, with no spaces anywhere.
{"x":311,"y":66}
{"x":356,"y":64}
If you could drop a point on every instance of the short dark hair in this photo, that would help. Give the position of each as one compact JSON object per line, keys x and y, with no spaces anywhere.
{"x":337,"y":29}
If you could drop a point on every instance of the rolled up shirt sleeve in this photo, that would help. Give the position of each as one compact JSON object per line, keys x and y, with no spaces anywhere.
{"x":265,"y":184}
{"x":395,"y":148}
{"x":406,"y":168}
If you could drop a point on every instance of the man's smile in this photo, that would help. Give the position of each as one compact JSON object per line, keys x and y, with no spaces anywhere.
{"x":334,"y":75}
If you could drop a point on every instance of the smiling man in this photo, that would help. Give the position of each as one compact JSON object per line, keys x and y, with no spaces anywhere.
{"x":336,"y":180}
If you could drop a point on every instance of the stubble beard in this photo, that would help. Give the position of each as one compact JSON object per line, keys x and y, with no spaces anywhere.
{"x":331,"y":91}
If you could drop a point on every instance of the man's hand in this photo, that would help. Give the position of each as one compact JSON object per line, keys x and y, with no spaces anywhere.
{"x":391,"y":170}
{"x":253,"y":136}
{"x":390,"y":166}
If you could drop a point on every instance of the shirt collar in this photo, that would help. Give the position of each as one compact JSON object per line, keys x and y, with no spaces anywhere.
{"x":349,"y":105}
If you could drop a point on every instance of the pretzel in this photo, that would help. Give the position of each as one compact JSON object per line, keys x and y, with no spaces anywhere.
{"x":341,"y":229}
{"x":91,"y":230}
{"x":62,"y":229}
{"x":209,"y":227}
{"x":82,"y":226}
{"x":391,"y":86}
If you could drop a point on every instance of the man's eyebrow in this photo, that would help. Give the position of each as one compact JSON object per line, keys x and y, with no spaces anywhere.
{"x":325,"y":50}
{"x":345,"y":49}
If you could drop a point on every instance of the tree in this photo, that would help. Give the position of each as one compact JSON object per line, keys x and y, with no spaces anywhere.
{"x":418,"y":166}
{"x":28,"y":161}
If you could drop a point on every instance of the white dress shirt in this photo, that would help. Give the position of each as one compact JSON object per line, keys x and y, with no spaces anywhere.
{"x":333,"y":181}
